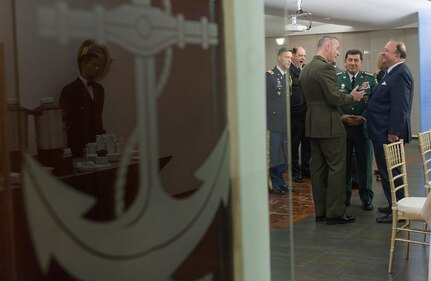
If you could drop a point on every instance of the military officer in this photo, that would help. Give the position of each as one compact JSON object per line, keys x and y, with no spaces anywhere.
{"x":327,"y":134}
{"x":357,"y":140}
{"x":276,"y":120}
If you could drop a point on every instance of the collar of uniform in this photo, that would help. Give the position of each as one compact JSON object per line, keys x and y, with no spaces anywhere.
{"x":319,"y":57}
{"x":350,"y":75}
{"x":281,"y":70}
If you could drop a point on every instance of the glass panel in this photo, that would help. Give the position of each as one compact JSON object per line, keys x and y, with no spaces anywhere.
{"x":124,"y":139}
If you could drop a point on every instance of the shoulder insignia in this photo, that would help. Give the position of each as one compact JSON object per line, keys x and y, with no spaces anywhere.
{"x":368,"y":73}
{"x":339,"y":73}
{"x":270,"y":72}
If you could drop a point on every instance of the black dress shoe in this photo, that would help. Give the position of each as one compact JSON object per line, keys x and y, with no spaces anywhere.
{"x":385,"y":210}
{"x":320,"y":218}
{"x":340,"y":220}
{"x":277,"y":191}
{"x":287,"y":188}
{"x":388,"y":219}
{"x":367,"y":206}
{"x":298,"y":179}
{"x":385,"y":219}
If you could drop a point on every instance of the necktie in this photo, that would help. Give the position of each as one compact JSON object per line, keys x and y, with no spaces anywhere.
{"x":353,"y":81}
{"x":384,"y":74}
{"x":90,"y":88}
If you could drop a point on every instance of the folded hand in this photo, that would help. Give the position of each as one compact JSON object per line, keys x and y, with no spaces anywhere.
{"x":356,"y":94}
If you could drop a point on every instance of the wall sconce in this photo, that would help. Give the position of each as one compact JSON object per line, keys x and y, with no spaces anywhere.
{"x":280,"y":41}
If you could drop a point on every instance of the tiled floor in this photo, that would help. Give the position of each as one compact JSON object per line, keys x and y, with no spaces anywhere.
{"x":351,"y":252}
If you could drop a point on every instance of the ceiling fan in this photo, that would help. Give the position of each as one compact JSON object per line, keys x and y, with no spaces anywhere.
{"x":298,"y":22}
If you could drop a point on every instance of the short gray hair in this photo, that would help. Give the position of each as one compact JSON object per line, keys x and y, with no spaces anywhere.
{"x":324,"y":40}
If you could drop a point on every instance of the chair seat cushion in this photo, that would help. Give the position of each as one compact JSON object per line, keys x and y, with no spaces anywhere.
{"x":426,"y":212}
{"x":412,"y":205}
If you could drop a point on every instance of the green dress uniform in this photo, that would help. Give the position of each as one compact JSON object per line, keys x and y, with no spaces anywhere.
{"x":357,"y":137}
{"x":327,"y":135}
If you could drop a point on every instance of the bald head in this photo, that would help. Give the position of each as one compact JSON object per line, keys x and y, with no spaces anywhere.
{"x":393,"y":52}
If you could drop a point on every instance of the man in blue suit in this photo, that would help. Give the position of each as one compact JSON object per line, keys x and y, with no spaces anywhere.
{"x":388,"y":113}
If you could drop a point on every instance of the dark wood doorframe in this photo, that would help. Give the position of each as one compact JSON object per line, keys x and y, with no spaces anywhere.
{"x":7,"y":242}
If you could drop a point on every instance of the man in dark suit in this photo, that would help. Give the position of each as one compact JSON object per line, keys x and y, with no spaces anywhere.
{"x":357,"y":139}
{"x":388,"y":113}
{"x":326,"y":131}
{"x":276,"y":120}
{"x":298,"y":111}
{"x":81,"y":103}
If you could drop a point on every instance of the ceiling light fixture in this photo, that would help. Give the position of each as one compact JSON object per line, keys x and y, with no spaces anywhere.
{"x":300,"y":21}
{"x":280,"y":41}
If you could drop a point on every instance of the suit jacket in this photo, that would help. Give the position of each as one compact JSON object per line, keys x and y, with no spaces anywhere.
{"x":390,"y":106}
{"x":276,"y":100}
{"x":320,"y":87}
{"x":298,"y":107}
{"x":82,"y":115}
{"x":367,"y":82}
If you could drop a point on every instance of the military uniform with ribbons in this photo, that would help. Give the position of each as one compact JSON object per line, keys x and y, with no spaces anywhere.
{"x":276,"y":124}
{"x":357,"y":136}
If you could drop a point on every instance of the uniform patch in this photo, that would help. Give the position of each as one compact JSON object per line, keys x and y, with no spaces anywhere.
{"x":365,"y":85}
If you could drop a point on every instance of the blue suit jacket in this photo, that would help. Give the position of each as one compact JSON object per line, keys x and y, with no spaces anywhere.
{"x":390,"y":106}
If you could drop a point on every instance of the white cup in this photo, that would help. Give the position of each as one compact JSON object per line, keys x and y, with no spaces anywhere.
{"x":101,"y":138}
{"x":110,"y":138}
{"x":90,"y":148}
{"x":106,"y":138}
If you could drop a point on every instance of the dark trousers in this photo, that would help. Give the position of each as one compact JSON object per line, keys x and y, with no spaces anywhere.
{"x":277,"y":158}
{"x":299,"y":139}
{"x":379,"y":155}
{"x":328,"y":176}
{"x":362,"y":163}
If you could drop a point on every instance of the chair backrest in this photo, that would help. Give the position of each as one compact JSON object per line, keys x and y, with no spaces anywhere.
{"x":397,"y":170}
{"x":425,"y":148}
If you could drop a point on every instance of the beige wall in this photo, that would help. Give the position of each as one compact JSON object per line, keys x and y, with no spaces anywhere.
{"x":371,"y":41}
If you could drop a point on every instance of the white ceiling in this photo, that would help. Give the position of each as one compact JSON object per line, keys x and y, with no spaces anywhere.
{"x":330,"y":16}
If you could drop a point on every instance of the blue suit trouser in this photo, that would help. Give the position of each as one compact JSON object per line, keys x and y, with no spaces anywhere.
{"x":379,"y":155}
